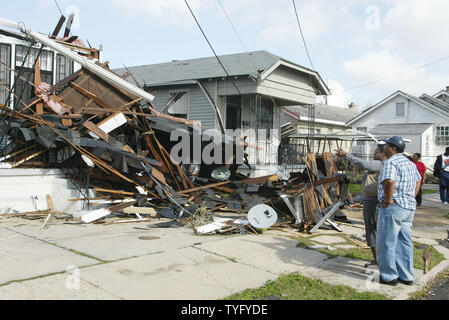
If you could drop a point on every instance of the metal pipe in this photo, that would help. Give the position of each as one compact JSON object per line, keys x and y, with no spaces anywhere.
{"x":91,"y":66}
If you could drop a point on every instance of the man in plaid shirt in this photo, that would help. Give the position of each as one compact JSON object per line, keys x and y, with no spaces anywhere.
{"x":399,"y":184}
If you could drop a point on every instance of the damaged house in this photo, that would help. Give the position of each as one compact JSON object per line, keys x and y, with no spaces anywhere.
{"x":109,"y":139}
{"x":250,"y":94}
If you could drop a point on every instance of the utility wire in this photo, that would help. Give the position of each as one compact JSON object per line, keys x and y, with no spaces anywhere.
{"x":233,"y":27}
{"x":216,"y":56}
{"x":398,"y":74}
{"x":302,"y":35}
{"x":56,"y":2}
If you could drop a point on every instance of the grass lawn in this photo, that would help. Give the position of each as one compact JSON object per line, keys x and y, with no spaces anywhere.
{"x":447,"y":216}
{"x":355,"y":187}
{"x":365,"y":253}
{"x":297,"y":287}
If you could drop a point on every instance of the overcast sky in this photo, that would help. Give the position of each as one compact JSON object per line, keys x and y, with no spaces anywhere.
{"x":351,"y":42}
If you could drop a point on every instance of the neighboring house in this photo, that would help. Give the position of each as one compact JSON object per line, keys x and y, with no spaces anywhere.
{"x":249,"y":96}
{"x":54,"y":67}
{"x":329,"y":120}
{"x":424,"y":121}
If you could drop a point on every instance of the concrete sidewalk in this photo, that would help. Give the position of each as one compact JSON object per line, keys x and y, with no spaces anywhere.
{"x":113,"y":263}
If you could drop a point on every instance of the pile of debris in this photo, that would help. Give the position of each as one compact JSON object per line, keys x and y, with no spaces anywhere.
{"x":108,"y":137}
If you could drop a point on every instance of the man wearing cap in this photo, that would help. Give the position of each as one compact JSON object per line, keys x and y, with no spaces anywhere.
{"x":399,"y":183}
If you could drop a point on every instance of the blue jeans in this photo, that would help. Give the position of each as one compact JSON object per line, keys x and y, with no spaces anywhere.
{"x":444,"y":186}
{"x":394,"y":243}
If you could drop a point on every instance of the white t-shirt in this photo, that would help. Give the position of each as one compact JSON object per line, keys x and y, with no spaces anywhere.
{"x":445,"y":164}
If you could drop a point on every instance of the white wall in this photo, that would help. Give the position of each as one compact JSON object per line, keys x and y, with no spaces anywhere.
{"x":18,"y":186}
{"x":414,"y":113}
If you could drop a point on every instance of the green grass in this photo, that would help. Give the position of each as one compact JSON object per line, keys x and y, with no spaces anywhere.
{"x":297,"y":287}
{"x":429,"y":191}
{"x":365,"y":253}
{"x":447,"y":216}
{"x":355,"y":188}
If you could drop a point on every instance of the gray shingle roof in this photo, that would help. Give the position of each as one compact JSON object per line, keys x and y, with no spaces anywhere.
{"x":400,"y":128}
{"x":203,"y":68}
{"x":325,"y":112}
{"x":436,"y":102}
{"x":240,"y":64}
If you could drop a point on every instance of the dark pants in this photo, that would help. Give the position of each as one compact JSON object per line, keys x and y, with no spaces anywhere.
{"x":444,"y":186}
{"x":419,"y":197}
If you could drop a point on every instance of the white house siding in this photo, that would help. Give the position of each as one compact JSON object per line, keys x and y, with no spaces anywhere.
{"x":283,"y":84}
{"x":200,"y":107}
{"x":415,"y":113}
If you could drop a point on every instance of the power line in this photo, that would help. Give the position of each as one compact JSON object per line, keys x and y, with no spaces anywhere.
{"x":302,"y":35}
{"x":398,"y":74}
{"x":216,"y":56}
{"x":233,"y":27}
{"x":56,"y":2}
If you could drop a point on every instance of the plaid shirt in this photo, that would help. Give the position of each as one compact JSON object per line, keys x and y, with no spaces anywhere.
{"x":405,"y":175}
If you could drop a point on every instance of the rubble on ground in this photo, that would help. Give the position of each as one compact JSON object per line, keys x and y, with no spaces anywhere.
{"x":114,"y":143}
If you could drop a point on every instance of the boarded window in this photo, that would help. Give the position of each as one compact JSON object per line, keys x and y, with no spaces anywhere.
{"x":400,"y":109}
{"x":442,"y":136}
{"x":5,"y":73}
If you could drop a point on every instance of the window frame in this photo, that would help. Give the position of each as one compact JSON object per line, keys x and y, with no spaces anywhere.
{"x":396,"y":109}
{"x":171,"y":93}
{"x":441,"y":140}
{"x":8,"y":72}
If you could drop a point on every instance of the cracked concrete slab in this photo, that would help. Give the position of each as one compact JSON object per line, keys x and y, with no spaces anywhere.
{"x":22,"y":257}
{"x":268,"y":252}
{"x":115,"y":241}
{"x":187,"y":273}
{"x":352,"y":273}
{"x":62,"y":288}
{"x":329,"y":239}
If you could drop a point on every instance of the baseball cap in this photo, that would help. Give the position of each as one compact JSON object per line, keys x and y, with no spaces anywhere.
{"x":397,"y":142}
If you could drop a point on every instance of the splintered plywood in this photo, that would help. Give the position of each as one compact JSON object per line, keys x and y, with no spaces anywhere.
{"x":109,"y":94}
{"x":310,"y":205}
{"x":331,"y":169}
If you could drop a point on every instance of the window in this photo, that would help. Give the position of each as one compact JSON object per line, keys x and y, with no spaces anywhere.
{"x":233,"y":112}
{"x":24,"y":89}
{"x":64,"y":67}
{"x":442,"y":136}
{"x":265,"y":116}
{"x":5,"y":73}
{"x":178,"y":104}
{"x":400,"y":109}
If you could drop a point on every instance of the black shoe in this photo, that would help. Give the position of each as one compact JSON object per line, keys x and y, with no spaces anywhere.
{"x":406,"y":282}
{"x":393,"y":283}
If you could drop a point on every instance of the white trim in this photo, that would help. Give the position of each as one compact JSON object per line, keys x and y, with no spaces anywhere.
{"x":440,"y":93}
{"x":267,"y":72}
{"x":397,"y":93}
{"x":340,"y":123}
